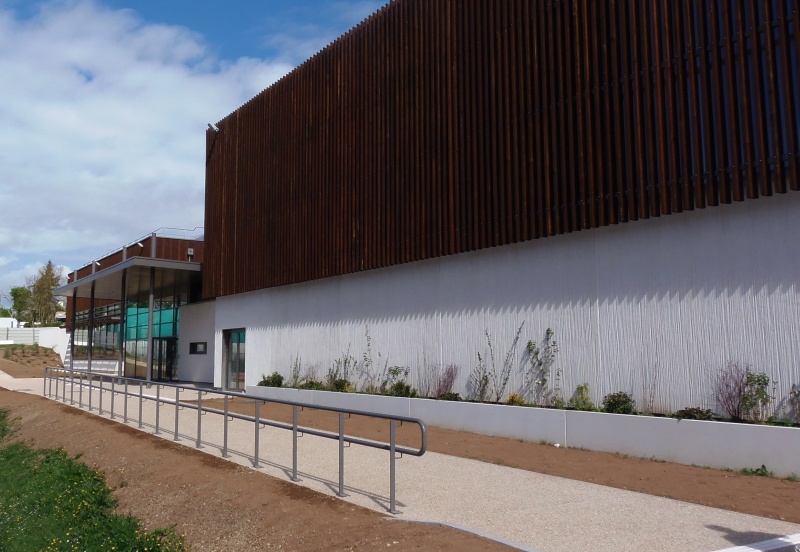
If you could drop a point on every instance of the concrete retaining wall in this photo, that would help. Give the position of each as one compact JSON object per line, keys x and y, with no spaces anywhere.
{"x":712,"y":444}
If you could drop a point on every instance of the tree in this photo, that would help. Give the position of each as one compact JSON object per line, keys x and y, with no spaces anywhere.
{"x":21,"y":303}
{"x":43,"y":304}
{"x":6,"y":313}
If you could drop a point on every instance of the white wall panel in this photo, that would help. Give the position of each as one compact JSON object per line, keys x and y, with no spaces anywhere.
{"x":673,"y":298}
{"x":197,"y":325}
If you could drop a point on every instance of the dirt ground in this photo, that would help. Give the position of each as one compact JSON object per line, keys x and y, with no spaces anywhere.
{"x":221,"y":506}
{"x":27,"y":364}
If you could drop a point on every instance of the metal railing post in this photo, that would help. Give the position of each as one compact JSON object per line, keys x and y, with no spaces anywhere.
{"x":392,"y":462}
{"x":257,"y":424}
{"x":100,"y":401}
{"x":341,"y":455}
{"x":225,"y":430}
{"x":177,"y":405}
{"x":45,"y":389}
{"x":158,"y":408}
{"x":64,"y":387}
{"x":80,"y":393}
{"x":91,"y":380}
{"x":140,"y":405}
{"x":71,"y":387}
{"x":199,"y":417}
{"x":294,"y":444}
{"x":125,"y":403}
{"x":113,"y":387}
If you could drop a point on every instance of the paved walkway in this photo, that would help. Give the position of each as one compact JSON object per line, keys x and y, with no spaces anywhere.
{"x":529,"y":510}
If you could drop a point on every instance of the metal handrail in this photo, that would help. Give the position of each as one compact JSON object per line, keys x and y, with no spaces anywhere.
{"x":81,"y":379}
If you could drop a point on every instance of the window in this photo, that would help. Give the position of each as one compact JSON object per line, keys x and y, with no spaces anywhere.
{"x":198,"y":348}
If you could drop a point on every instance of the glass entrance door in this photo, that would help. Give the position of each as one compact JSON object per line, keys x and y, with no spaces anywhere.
{"x":235,"y":359}
{"x":165,"y":351}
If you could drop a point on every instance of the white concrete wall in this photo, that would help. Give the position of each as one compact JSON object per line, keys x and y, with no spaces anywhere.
{"x":197,"y":324}
{"x":669,"y":298}
{"x":56,"y":339}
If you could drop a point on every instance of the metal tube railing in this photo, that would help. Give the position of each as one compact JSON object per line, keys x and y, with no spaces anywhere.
{"x":297,"y":431}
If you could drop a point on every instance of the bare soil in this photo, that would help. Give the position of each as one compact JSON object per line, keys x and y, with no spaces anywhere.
{"x":222,"y":506}
{"x":28,"y":362}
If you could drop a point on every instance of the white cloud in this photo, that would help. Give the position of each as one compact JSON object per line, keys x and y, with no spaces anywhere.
{"x":103,"y":124}
{"x":309,"y":31}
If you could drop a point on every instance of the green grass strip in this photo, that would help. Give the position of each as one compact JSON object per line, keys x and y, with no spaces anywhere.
{"x":51,"y":502}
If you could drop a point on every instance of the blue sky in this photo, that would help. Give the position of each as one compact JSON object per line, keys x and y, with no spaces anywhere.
{"x":105,"y":106}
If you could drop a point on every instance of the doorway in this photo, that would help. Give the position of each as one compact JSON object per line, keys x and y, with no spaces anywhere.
{"x":234,"y":358}
{"x":165,"y":352}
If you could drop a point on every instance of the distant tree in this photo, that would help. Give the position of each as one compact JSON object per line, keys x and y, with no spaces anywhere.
{"x":43,"y":303}
{"x":21,"y":303}
{"x":6,"y":313}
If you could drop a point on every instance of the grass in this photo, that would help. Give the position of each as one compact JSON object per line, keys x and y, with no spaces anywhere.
{"x":51,"y":502}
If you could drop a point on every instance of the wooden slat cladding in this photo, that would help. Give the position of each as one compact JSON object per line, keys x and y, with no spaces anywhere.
{"x":443,"y":126}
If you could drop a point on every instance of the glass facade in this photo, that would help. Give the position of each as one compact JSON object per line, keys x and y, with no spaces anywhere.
{"x":105,"y":338}
{"x":166,"y":326}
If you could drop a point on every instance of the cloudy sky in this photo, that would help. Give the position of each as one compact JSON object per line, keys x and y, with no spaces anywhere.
{"x":105,"y":105}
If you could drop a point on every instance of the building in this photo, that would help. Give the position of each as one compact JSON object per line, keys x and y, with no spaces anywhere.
{"x":449,"y":179}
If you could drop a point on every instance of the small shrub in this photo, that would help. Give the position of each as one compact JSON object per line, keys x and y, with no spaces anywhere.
{"x":449,"y":396}
{"x":400,"y":389}
{"x":741,"y":393}
{"x":273,"y":380}
{"x":539,"y":374}
{"x":312,"y":384}
{"x":794,"y":403}
{"x":515,"y":399}
{"x":756,"y":400}
{"x":581,"y":399}
{"x":693,"y":413}
{"x":619,"y":403}
{"x":446,"y":380}
{"x":342,"y":386}
{"x":762,"y":471}
{"x":339,"y":373}
{"x":295,"y":378}
{"x":478,"y":384}
{"x":395,"y":384}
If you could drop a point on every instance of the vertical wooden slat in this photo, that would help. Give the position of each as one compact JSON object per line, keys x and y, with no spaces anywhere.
{"x":732,"y":116}
{"x":439,"y":127}
{"x":759,"y":103}
{"x":788,"y":72}
{"x":773,"y":100}
{"x":582,"y":107}
{"x":572,"y":100}
{"x":637,"y":68}
{"x":598,"y":196}
{"x":670,"y":64}
{"x":614,"y":93}
{"x":720,"y":185}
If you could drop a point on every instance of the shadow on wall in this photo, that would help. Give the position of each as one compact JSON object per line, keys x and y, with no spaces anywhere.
{"x":718,"y":253}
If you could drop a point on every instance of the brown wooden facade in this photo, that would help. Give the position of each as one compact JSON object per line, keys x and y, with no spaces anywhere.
{"x":443,"y":126}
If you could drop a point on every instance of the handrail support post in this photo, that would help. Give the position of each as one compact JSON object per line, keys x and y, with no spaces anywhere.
{"x":341,"y":455}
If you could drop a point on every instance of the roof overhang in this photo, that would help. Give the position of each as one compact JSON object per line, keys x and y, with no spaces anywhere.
{"x":170,"y":277}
